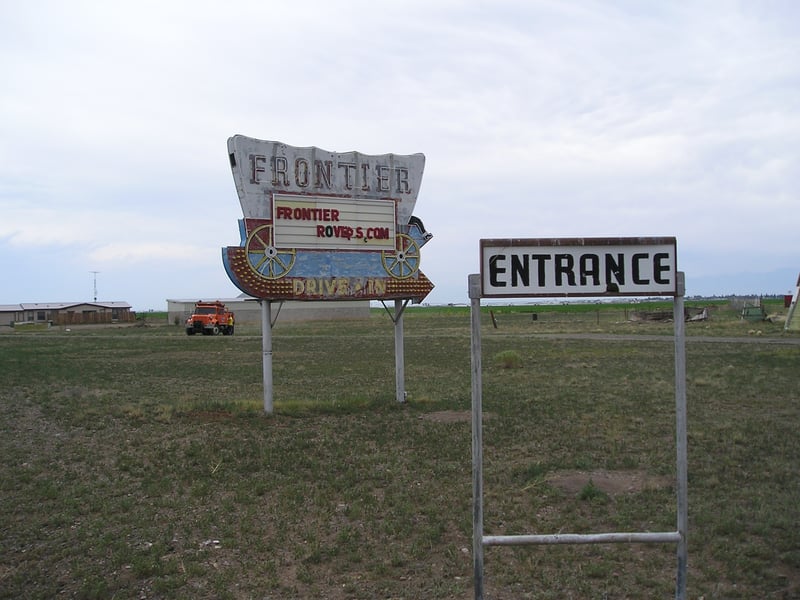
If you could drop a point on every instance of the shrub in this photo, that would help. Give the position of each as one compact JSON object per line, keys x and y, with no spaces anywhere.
{"x":508,"y":359}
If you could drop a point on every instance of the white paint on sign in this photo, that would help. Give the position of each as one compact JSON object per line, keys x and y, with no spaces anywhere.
{"x":261,"y":168}
{"x":578,"y":267}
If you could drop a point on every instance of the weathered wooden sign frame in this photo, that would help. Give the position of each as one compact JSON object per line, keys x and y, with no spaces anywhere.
{"x":670,"y":282}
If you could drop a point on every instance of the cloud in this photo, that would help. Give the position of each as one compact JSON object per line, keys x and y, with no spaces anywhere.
{"x":143,"y":252}
{"x":133,"y":252}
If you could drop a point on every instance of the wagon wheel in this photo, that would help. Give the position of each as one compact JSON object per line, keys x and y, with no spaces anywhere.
{"x":264,"y":258}
{"x":403,"y":261}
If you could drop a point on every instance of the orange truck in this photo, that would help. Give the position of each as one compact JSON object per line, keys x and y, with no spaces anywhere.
{"x":210,"y":318}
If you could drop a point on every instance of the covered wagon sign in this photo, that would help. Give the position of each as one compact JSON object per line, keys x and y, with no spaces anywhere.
{"x":322,"y":225}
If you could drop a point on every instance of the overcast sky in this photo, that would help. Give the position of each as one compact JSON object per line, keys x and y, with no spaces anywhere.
{"x":540,"y":118}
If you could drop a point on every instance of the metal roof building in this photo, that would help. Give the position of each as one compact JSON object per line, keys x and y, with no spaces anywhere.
{"x":66,"y":313}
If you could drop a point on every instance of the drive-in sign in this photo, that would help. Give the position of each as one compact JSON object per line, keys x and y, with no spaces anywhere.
{"x":321,"y":225}
{"x":578,"y":267}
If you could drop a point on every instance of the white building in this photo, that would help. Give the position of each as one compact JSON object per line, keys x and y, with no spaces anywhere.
{"x":248,"y":310}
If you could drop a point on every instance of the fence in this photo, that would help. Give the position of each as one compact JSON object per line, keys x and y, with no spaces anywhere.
{"x":93,"y":318}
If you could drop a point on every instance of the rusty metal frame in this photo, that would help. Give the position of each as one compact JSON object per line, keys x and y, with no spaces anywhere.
{"x":678,"y":537}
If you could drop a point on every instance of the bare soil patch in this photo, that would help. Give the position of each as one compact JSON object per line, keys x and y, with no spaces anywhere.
{"x":612,"y":483}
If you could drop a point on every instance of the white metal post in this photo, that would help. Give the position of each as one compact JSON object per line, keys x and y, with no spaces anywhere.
{"x":399,"y":352}
{"x":681,"y":437}
{"x":477,"y":435}
{"x":266,"y":351}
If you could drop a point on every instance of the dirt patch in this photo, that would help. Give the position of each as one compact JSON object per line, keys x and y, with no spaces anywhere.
{"x":612,"y":483}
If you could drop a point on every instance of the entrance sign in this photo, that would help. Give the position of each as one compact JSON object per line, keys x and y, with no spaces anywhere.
{"x":322,"y":225}
{"x":525,"y":268}
{"x":578,"y":267}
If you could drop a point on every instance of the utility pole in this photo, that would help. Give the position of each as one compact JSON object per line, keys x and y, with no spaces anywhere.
{"x":95,"y":283}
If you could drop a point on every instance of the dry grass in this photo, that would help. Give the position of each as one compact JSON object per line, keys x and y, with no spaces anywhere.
{"x":137,"y":463}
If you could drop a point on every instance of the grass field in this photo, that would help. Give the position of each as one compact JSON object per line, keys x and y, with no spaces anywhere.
{"x":137,"y":462}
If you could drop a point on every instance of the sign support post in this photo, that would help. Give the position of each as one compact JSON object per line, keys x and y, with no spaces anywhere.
{"x":266,"y":351}
{"x":477,"y":435}
{"x":399,"y":352}
{"x":681,"y":442}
